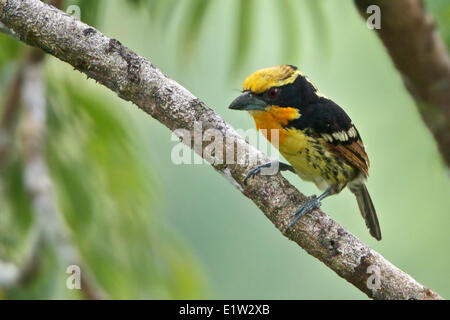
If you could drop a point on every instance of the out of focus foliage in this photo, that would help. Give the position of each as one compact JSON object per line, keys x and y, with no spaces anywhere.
{"x":93,"y":148}
{"x":440,"y":10}
{"x":247,"y":23}
{"x":106,"y":191}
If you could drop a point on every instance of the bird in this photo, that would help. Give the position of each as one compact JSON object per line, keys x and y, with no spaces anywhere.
{"x":315,"y":135}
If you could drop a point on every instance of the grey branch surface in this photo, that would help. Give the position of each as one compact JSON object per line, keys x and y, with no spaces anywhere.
{"x":420,"y":55}
{"x":135,"y":79}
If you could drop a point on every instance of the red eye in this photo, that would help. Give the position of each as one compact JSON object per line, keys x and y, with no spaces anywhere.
{"x":273,"y":93}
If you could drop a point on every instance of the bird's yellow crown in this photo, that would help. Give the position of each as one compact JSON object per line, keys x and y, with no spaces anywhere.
{"x":277,"y":76}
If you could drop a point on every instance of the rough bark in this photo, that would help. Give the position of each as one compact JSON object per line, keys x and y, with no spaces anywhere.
{"x":420,"y":55}
{"x":135,"y":79}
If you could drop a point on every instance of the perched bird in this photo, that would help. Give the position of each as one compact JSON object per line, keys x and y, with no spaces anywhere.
{"x":315,"y":136}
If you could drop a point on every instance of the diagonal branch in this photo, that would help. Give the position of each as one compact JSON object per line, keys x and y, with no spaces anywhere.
{"x":410,"y":36}
{"x":135,"y":79}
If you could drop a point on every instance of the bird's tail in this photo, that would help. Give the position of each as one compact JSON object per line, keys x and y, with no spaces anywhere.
{"x":367,"y":209}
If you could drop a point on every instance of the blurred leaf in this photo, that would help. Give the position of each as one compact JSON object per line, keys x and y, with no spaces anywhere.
{"x":15,"y":211}
{"x":320,"y":26}
{"x":89,"y":10}
{"x":290,"y":30}
{"x":244,"y":24}
{"x":440,"y":10}
{"x":107,"y":193}
{"x":194,"y":14}
{"x":50,"y":283}
{"x":191,"y":27}
{"x":137,"y":3}
{"x":153,"y":7}
{"x":17,"y":196}
{"x":162,"y":11}
{"x":10,"y":49}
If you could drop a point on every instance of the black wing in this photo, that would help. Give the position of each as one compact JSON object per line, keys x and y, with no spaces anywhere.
{"x":328,"y":121}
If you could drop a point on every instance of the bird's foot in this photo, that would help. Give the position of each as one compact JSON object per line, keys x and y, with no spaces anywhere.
{"x":313,"y":203}
{"x":257,"y":170}
{"x":251,"y":173}
{"x":278,"y":166}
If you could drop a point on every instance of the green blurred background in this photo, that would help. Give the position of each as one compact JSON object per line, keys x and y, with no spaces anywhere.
{"x":147,"y":228}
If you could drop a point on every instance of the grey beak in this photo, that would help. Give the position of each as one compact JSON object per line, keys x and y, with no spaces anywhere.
{"x":248,"y":101}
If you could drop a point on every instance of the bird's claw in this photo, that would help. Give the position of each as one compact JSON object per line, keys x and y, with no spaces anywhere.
{"x":313,"y":203}
{"x":251,"y":173}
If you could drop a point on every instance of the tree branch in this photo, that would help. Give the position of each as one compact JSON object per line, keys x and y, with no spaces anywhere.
{"x":135,"y":79}
{"x":409,"y":34}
